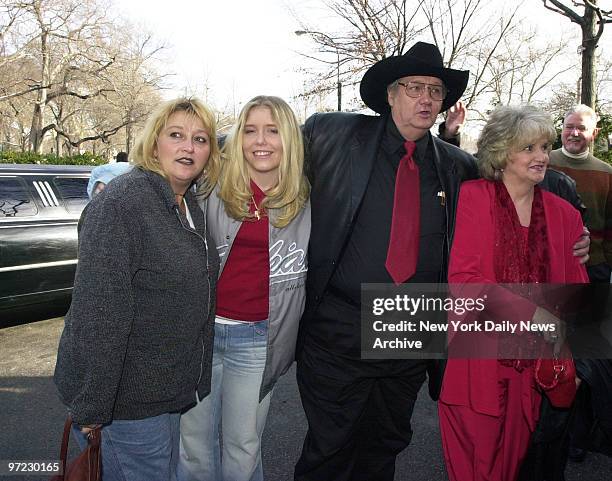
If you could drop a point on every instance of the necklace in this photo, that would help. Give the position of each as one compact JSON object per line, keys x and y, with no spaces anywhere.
{"x":256,"y":213}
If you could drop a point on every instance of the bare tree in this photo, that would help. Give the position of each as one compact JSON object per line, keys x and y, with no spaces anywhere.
{"x":468,"y":43}
{"x":591,"y":24}
{"x":522,"y":71}
{"x":135,"y":81}
{"x":371,"y":30}
{"x":68,"y":40}
{"x":494,"y":51}
{"x":85,"y":76}
{"x":604,"y":84}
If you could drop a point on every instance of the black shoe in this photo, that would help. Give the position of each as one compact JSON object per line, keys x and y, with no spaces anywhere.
{"x":577,"y":455}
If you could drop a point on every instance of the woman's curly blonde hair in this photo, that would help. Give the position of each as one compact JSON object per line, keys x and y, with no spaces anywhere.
{"x":508,"y":130}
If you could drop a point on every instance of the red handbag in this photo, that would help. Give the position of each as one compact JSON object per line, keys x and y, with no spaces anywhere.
{"x":86,"y":466}
{"x":557,"y":378}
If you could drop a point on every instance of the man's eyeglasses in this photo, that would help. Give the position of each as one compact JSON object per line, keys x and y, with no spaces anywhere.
{"x":416,"y":89}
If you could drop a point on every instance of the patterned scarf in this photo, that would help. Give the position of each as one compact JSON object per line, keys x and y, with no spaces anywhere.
{"x":517,"y":261}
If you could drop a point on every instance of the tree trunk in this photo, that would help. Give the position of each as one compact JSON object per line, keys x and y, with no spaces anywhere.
{"x":58,"y":145}
{"x":36,"y":133}
{"x":36,"y":128}
{"x":128,"y":137}
{"x":588,"y":94}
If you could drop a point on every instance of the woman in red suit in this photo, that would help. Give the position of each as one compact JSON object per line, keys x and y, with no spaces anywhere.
{"x":508,"y":230}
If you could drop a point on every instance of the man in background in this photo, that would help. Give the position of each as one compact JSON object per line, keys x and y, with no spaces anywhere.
{"x":590,"y":420}
{"x":593,"y":182}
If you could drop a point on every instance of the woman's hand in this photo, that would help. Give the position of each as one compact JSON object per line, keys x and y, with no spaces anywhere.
{"x":87,"y":428}
{"x":554,"y":333}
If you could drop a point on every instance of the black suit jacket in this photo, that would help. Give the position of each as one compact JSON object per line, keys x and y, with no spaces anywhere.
{"x":341,"y":149}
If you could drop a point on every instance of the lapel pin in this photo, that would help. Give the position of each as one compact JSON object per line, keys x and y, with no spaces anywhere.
{"x":442,"y":196}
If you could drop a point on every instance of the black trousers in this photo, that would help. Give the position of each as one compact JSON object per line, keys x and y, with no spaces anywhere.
{"x":358,"y":415}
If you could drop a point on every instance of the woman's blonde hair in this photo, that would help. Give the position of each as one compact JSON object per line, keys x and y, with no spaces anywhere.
{"x":508,"y":130}
{"x":144,"y":149}
{"x":288,"y":197}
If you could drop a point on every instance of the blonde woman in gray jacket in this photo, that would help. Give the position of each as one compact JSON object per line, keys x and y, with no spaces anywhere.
{"x":137,"y":341}
{"x":260,"y":218}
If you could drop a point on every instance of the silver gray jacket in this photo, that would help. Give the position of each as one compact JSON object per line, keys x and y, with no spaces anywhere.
{"x":288,"y":268}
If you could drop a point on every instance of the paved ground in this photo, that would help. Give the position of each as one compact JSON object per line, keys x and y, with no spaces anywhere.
{"x":31,"y":417}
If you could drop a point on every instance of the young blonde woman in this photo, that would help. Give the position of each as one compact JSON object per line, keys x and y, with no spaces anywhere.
{"x":260,"y":218}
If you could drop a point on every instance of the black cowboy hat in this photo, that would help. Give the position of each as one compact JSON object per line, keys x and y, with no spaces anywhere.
{"x":422,"y":59}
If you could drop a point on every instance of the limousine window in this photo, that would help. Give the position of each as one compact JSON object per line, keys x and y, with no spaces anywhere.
{"x":73,"y":191}
{"x":15,"y":200}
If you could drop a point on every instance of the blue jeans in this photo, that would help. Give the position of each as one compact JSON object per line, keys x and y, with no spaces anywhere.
{"x":139,"y":450}
{"x":232,"y":407}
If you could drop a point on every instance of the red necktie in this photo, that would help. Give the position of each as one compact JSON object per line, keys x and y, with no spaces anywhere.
{"x":405,"y":225}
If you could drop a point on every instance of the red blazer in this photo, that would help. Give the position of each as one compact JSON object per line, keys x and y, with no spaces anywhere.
{"x":473,"y":382}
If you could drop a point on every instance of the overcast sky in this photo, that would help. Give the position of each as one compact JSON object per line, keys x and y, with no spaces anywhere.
{"x":242,"y":48}
{"x":238,"y":48}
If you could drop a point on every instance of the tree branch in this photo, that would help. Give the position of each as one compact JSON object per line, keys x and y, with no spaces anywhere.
{"x":19,"y":94}
{"x":564,"y":10}
{"x":76,"y":143}
{"x":65,"y":92}
{"x":601,"y":23}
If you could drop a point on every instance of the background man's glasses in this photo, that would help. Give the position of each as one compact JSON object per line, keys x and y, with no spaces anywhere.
{"x":416,"y":89}
{"x":579,"y":128}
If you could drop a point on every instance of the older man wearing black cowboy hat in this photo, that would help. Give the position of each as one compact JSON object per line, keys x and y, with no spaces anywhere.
{"x":384,"y":194}
{"x":367,"y":230}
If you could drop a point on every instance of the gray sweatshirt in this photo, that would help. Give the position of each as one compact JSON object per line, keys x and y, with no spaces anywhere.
{"x":137,"y":340}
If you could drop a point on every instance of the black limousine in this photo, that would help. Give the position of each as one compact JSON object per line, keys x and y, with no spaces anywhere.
{"x":40,"y":206}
